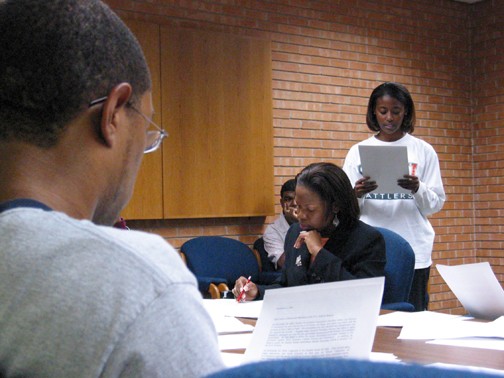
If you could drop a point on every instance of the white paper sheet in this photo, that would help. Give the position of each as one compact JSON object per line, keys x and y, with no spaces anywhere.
{"x":472,"y":342}
{"x":452,"y":328}
{"x":385,"y":165}
{"x":232,"y":359}
{"x":227,"y":324}
{"x":399,"y":318}
{"x":384,"y":357}
{"x":234,"y":341}
{"x":230,"y":307}
{"x":220,"y":310}
{"x":476,"y":287}
{"x":336,"y":319}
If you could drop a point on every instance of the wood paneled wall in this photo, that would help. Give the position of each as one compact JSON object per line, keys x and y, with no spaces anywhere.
{"x":217,"y":106}
{"x":148,"y":193}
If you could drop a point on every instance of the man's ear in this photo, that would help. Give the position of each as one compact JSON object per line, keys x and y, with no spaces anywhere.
{"x":117,"y":99}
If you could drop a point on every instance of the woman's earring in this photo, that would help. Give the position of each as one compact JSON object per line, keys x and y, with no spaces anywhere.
{"x":335,"y":221}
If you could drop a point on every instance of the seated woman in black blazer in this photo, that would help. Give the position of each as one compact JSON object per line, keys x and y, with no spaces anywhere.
{"x":329,"y":243}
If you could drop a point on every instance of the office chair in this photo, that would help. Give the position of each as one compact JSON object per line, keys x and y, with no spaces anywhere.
{"x":217,"y":262}
{"x":268,"y":273}
{"x":340,"y":368}
{"x":399,"y":271}
{"x":266,"y":264}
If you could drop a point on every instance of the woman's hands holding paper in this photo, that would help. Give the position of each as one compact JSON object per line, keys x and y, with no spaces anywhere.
{"x":364,"y":185}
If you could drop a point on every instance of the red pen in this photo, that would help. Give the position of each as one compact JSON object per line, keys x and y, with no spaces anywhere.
{"x":242,"y":290}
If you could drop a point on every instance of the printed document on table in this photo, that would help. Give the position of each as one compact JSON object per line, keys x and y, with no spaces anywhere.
{"x":400,"y":318}
{"x":476,"y":287}
{"x":452,"y":329}
{"x":494,"y":343}
{"x":385,"y":165}
{"x":220,"y":310}
{"x":336,"y":319}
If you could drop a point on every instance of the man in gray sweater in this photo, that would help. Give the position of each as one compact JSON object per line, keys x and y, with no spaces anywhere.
{"x":79,"y":298}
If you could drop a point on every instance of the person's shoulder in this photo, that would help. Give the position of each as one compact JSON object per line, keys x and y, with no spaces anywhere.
{"x":295,"y":226}
{"x":134,"y":238}
{"x":270,"y":228}
{"x":294,"y":229}
{"x":102,"y":252}
{"x":369,"y":141}
{"x":365,"y":229}
{"x":365,"y":142}
{"x":292,"y":234}
{"x":149,"y":250}
{"x":148,"y":255}
{"x":280,"y":224}
{"x":420,"y":142}
{"x":272,"y":225}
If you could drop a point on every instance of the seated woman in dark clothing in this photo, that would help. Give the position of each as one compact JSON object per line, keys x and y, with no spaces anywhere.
{"x":329,"y":243}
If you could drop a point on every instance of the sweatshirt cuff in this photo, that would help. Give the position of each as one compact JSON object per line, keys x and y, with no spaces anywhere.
{"x":421,"y":190}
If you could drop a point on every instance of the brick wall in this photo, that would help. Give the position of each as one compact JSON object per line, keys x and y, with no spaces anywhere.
{"x":488,"y":100}
{"x":328,"y":56}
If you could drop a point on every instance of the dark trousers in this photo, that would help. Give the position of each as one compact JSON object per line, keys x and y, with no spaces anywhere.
{"x":419,"y":297}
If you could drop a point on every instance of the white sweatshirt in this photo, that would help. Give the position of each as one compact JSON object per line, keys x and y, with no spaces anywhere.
{"x":405,"y":214}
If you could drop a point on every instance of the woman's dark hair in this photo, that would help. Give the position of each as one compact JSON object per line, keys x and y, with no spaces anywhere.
{"x":401,"y":94}
{"x":331,"y":183}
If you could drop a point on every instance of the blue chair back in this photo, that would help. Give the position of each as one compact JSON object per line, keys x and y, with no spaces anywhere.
{"x":341,"y":368}
{"x":267,"y":265}
{"x":399,"y":271}
{"x":220,"y":259}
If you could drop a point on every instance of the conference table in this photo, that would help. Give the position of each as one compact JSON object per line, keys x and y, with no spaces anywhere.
{"x":421,"y":352}
{"x":418,"y":351}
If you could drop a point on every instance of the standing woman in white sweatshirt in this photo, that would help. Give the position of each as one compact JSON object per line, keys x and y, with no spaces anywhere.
{"x":391,"y":115}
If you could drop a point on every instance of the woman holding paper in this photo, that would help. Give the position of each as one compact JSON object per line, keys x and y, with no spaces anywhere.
{"x":329,"y":243}
{"x":391,"y":115}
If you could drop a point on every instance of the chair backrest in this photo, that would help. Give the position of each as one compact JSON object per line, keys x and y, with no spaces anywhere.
{"x":341,"y":368}
{"x":266,"y":264}
{"x":399,"y":269}
{"x":221,"y":257}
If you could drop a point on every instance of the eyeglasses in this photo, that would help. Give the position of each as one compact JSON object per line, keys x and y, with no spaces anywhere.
{"x":154,"y":137}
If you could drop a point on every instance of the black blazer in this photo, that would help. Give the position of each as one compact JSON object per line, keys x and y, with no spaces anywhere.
{"x":357,"y":253}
